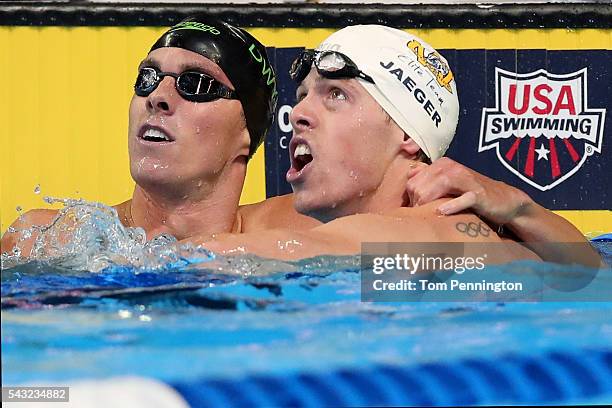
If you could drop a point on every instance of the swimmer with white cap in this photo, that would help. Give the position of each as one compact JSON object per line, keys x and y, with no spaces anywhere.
{"x":375,"y":106}
{"x":373,"y":102}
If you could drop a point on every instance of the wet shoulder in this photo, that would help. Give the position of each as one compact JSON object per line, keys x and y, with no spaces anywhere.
{"x":38,"y":217}
{"x":380,"y":228}
{"x":465,"y":226}
{"x":272,"y":213}
{"x":22,"y":234}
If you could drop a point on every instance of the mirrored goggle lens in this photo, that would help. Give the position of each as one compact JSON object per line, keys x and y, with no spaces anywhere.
{"x":330,"y":62}
{"x":194,"y":83}
{"x":193,"y":86}
{"x":147,"y":80}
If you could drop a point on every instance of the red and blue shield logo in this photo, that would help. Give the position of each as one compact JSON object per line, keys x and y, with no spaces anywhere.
{"x":541,"y":127}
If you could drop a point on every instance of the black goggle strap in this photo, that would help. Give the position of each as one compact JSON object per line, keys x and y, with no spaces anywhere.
{"x":301,"y":66}
{"x":349,"y":70}
{"x":365,"y":76}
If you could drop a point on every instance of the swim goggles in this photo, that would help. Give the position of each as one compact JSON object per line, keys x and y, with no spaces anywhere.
{"x":192,"y":86}
{"x":329,"y":64}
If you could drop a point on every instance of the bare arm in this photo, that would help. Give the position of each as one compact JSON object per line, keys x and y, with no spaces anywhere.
{"x":501,"y":204}
{"x":552,"y":237}
{"x":283,"y":244}
{"x":344,"y":236}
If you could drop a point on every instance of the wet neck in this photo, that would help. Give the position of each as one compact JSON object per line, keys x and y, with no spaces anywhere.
{"x":388,"y":195}
{"x":187,"y":215}
{"x":391,"y":193}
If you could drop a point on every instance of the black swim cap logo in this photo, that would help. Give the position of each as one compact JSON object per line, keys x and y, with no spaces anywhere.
{"x":266,"y":71}
{"x":194,"y":25}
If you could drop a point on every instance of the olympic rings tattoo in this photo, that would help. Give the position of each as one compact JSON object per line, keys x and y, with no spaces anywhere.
{"x":473,"y":229}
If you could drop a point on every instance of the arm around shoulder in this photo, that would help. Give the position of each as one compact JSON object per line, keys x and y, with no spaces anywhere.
{"x":534,"y":223}
{"x":282,"y":244}
{"x":342,"y":236}
{"x":553,"y":237}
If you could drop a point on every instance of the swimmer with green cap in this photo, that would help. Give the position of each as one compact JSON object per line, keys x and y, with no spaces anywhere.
{"x":204,"y":99}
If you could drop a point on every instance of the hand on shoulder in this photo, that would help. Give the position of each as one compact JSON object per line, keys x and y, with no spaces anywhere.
{"x":494,"y":200}
{"x":464,"y":226}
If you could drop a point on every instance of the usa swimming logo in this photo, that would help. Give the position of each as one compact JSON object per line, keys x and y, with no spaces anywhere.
{"x":541,"y":127}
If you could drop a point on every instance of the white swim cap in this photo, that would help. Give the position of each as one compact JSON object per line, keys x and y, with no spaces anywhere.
{"x":413,"y":82}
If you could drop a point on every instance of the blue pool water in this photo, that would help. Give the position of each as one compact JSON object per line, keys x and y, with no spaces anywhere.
{"x":303,"y":332}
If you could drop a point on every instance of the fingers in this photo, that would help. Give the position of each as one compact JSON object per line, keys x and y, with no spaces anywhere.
{"x":421,"y":189}
{"x":431,"y":191}
{"x":428,"y":183}
{"x":413,"y":183}
{"x":445,"y":178}
{"x":461,"y":203}
{"x":415,"y":168}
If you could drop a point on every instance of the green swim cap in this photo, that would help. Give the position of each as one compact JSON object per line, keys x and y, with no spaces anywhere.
{"x":241,"y":57}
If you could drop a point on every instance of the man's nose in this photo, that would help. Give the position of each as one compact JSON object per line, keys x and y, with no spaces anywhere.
{"x":303,"y":116}
{"x":163,"y":98}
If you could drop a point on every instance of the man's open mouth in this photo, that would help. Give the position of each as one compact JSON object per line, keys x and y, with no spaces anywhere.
{"x":156,"y":135}
{"x":301,"y":156}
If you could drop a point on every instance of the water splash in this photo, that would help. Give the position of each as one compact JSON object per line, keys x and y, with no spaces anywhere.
{"x":89,"y":236}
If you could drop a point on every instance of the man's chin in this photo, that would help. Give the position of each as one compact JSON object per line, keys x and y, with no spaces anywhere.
{"x":301,"y":201}
{"x":152,"y":178}
{"x":312,"y":206}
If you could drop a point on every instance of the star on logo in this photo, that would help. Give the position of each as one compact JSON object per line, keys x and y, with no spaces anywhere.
{"x":542,"y":152}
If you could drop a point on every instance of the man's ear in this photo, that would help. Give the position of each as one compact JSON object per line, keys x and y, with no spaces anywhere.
{"x":409,"y":146}
{"x":245,"y":144}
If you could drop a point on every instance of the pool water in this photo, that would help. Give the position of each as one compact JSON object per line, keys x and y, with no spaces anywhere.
{"x":221,"y":323}
{"x":184,"y":325}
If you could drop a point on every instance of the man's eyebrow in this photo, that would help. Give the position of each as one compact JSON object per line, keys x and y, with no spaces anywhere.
{"x":193,"y":66}
{"x":349,"y":83}
{"x":317,"y":81}
{"x":321,"y":81}
{"x":148,"y":62}
{"x":345,"y":82}
{"x":186,"y":66}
